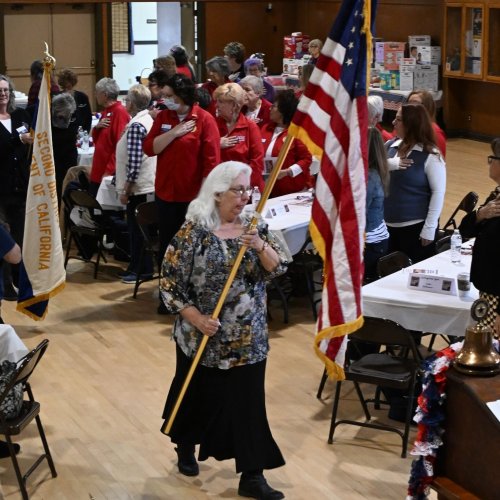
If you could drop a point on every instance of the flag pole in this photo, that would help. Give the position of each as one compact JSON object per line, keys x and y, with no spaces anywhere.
{"x":167,"y":426}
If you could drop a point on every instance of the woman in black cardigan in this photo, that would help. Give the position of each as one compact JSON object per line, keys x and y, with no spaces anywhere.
{"x":14,"y":167}
{"x":484,"y":225}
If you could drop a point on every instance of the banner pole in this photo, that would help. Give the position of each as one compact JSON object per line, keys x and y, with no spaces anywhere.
{"x":167,"y":426}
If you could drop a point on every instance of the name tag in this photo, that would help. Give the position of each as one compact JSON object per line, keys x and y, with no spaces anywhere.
{"x":431,"y":283}
{"x":165,"y":127}
{"x":277,"y":210}
{"x":22,"y":130}
{"x":240,"y":138}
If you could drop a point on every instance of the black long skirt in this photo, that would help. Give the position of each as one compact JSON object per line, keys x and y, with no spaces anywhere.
{"x":224,"y":411}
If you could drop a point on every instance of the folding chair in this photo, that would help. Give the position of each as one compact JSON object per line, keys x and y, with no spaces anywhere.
{"x":395,"y":368}
{"x":30,"y":410}
{"x":146,"y":217}
{"x":392,"y":263}
{"x":467,"y":205}
{"x":89,"y":222}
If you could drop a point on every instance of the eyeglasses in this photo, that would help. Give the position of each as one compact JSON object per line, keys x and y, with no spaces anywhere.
{"x":492,"y":158}
{"x":4,"y":91}
{"x":151,"y":85}
{"x":241,"y":190}
{"x":398,"y":119}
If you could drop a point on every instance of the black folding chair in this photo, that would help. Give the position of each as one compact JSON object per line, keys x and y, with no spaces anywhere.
{"x":396,"y":367}
{"x":146,"y":216}
{"x":30,"y":411}
{"x":467,"y":205}
{"x":88,"y":229}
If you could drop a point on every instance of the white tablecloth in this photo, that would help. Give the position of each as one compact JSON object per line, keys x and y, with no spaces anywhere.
{"x":85,"y":157}
{"x":292,"y":226}
{"x":420,"y":310}
{"x":107,"y":195}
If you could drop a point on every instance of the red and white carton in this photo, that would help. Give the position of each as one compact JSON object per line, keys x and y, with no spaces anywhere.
{"x":394,"y":52}
{"x":292,"y":46}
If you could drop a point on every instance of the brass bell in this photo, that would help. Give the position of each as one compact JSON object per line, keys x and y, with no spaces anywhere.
{"x":478,"y":357}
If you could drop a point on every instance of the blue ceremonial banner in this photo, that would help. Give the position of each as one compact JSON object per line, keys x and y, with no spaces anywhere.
{"x":42,"y":273}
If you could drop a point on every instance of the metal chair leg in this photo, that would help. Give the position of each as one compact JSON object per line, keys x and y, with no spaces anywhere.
{"x":48,"y":455}
{"x":362,"y":401}
{"x":334,"y":412}
{"x":322,"y":383}
{"x":15,"y":463}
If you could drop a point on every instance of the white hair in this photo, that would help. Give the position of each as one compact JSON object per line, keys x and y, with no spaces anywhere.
{"x":109,"y":87}
{"x":255,"y":82}
{"x":375,"y":108}
{"x":203,"y":209}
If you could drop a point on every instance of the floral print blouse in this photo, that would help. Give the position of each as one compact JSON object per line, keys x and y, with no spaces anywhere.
{"x":194,"y":271}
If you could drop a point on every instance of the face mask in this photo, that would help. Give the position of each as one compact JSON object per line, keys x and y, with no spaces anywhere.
{"x":171,"y":104}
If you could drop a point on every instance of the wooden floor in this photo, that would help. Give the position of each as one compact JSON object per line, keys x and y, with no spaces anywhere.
{"x":103,"y":381}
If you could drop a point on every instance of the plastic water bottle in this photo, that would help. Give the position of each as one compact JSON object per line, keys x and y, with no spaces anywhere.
{"x":255,"y":196}
{"x":456,"y":245}
{"x":79,"y":136}
{"x":85,"y":141}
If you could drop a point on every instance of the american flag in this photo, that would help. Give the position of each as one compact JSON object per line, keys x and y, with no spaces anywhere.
{"x":332,"y":120}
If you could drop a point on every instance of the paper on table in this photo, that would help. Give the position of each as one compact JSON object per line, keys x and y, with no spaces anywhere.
{"x":494,"y":406}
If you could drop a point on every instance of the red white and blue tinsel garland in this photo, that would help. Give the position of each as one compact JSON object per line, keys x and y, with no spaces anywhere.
{"x":429,"y":418}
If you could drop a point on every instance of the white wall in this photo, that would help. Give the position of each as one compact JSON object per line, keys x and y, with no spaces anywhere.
{"x":165,"y":33}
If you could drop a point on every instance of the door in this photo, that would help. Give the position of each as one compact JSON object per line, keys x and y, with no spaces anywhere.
{"x":67,"y":29}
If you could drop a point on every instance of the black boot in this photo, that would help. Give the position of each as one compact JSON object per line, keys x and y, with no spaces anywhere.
{"x":186,"y":462}
{"x":254,"y":485}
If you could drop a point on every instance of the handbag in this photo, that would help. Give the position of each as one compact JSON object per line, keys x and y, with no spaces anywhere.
{"x":13,"y":402}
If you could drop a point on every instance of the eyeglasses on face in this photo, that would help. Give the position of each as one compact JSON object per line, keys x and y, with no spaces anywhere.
{"x":241,"y":190}
{"x":151,"y":85}
{"x":4,"y":91}
{"x":398,"y":119}
{"x":491,"y":158}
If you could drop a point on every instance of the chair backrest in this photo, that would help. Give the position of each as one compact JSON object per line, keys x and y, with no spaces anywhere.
{"x":146,"y":213}
{"x":385,"y":332}
{"x":26,"y":367}
{"x":146,"y":216}
{"x":443,"y":244}
{"x":392,"y":263}
{"x":82,"y":199}
{"x":467,"y":205}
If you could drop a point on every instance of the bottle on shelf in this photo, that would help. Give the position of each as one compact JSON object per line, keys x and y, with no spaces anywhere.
{"x":455,"y":246}
{"x":255,"y":196}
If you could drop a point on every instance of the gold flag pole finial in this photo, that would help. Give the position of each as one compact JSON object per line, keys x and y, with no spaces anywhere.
{"x":48,"y":59}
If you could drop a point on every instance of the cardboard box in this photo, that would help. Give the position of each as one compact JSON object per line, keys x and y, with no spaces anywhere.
{"x":416,"y":40}
{"x":379,"y":52}
{"x":292,"y":46}
{"x":394,"y":52}
{"x":428,"y":55}
{"x":291,"y":66}
{"x":426,"y":77}
{"x":406,"y":80}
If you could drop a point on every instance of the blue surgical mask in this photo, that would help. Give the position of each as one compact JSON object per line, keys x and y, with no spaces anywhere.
{"x":171,"y":104}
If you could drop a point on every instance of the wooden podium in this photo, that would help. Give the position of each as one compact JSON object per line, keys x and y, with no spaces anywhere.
{"x":468,"y":463}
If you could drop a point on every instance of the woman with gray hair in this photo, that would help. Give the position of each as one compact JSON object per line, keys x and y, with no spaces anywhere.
{"x":375,"y":114}
{"x":14,"y":168}
{"x":224,"y":409}
{"x":255,"y":66}
{"x":107,"y":132}
{"x":135,"y":174}
{"x":218,"y":74}
{"x":64,"y":132}
{"x":257,"y":108}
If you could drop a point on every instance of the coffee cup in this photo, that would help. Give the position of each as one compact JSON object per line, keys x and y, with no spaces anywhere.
{"x":463,"y":283}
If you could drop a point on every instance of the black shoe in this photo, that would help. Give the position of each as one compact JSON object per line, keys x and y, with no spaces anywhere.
{"x":4,"y":449}
{"x":162,"y":309}
{"x":186,"y":462}
{"x":254,"y":485}
{"x":9,"y":292}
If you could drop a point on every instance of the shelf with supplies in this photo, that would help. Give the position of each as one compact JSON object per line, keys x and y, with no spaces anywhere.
{"x":471,"y":40}
{"x":394,"y":98}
